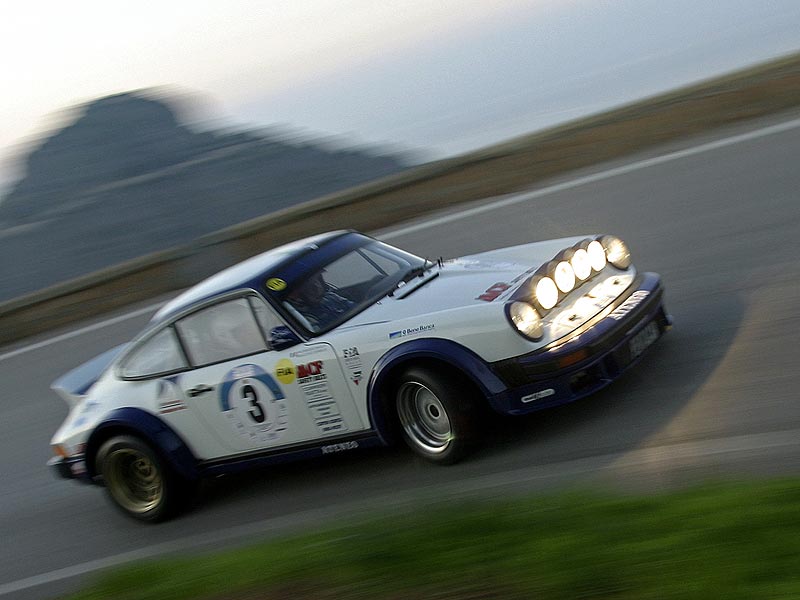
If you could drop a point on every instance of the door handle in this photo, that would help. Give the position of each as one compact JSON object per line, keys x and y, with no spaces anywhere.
{"x":199,"y":389}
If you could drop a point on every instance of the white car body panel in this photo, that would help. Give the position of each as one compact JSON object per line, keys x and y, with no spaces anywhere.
{"x":318,"y":389}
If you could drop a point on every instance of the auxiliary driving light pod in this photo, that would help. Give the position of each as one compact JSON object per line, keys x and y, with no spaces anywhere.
{"x":597,"y":255}
{"x":564,"y":276}
{"x":616,"y":251}
{"x":526,"y":319}
{"x":581,"y":264}
{"x":546,"y":293}
{"x":571,"y":267}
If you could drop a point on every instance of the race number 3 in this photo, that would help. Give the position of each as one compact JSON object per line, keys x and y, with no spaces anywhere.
{"x":254,"y":404}
{"x":257,"y":411}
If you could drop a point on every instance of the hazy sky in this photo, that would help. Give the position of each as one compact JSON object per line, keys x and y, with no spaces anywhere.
{"x":447,"y":75}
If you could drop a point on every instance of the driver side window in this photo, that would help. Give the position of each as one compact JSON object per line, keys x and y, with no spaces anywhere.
{"x":221,"y":332}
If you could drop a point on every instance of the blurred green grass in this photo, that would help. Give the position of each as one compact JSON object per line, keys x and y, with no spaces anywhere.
{"x":716,"y":541}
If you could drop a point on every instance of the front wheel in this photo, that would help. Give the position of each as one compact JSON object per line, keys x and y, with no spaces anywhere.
{"x":437,"y":414}
{"x":138,"y":481}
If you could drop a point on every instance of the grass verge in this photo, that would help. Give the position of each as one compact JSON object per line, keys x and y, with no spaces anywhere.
{"x":721,"y":541}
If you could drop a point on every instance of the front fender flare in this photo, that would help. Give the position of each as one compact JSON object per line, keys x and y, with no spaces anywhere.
{"x":152,"y":430}
{"x":457,"y":356}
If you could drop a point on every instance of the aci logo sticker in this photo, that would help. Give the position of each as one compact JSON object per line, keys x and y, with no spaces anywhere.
{"x":285,"y":371}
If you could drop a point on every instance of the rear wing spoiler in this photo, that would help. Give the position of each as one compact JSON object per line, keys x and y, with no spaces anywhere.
{"x":74,"y":386}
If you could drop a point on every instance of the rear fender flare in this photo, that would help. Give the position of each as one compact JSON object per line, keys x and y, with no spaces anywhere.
{"x":134,"y":421}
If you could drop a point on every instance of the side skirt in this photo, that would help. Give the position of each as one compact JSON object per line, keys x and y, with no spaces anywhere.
{"x":244,"y":462}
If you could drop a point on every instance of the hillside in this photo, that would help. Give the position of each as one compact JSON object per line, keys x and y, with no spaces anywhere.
{"x":127,"y":178}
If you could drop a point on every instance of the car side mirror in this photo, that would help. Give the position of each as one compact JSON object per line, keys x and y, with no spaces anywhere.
{"x":281,"y":337}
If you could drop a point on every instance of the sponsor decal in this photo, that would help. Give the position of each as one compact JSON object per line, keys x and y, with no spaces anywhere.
{"x":254,"y":404}
{"x":493,"y":292}
{"x":169,"y":397}
{"x":285,"y":371}
{"x":339,"y":447}
{"x":411,"y":331}
{"x":632,"y":302}
{"x":312,"y":369}
{"x":538,"y":395}
{"x":313,"y":382}
{"x":275,"y":284}
{"x":352,"y":362}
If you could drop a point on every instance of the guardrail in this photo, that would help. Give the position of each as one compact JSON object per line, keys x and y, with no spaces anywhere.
{"x":499,"y":169}
{"x":176,"y":268}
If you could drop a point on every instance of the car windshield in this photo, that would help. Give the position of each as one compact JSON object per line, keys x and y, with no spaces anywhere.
{"x":329,"y":285}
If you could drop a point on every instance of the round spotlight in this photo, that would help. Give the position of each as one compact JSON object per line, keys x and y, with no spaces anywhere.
{"x":546,"y":293}
{"x":564,"y":276}
{"x":526,"y":319}
{"x":617,"y":252}
{"x":597,"y":255}
{"x":581,"y":264}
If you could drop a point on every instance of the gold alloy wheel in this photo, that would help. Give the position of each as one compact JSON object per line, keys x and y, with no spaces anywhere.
{"x":134,"y":479}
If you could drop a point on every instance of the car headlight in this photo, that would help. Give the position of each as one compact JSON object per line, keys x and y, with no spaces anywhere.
{"x":564,"y":276}
{"x":526,"y":319}
{"x":546,"y":293}
{"x":597,"y":255}
{"x":617,"y":252}
{"x":581,"y":264}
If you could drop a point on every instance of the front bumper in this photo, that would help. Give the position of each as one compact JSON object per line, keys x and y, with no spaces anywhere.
{"x":594,"y":356}
{"x":73,"y":467}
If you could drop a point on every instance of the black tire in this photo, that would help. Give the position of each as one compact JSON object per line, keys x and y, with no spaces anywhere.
{"x":437,"y":414}
{"x":139,"y":482}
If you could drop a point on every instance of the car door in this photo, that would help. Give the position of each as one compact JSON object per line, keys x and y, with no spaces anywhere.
{"x":253,"y":396}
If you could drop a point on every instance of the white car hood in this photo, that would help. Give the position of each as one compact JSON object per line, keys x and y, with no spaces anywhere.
{"x":478,"y":279}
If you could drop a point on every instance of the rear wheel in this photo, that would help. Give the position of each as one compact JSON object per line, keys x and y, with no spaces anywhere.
{"x":437,"y":414}
{"x":138,"y":481}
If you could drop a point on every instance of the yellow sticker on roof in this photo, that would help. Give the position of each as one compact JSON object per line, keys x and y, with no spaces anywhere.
{"x":275,"y":284}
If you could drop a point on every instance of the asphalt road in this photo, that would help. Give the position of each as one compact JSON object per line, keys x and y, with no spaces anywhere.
{"x":716,"y":397}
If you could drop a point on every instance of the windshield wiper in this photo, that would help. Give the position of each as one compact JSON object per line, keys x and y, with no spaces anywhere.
{"x":417,"y":271}
{"x":413,"y":273}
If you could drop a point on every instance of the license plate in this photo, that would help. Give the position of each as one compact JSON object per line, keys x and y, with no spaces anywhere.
{"x":644,"y":338}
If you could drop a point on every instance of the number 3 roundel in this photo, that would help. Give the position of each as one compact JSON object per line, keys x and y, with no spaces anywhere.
{"x":254,"y":404}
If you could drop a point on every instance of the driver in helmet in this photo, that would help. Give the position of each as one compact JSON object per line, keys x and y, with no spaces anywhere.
{"x":316,"y":301}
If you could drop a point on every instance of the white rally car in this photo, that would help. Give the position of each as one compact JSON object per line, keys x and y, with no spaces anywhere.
{"x":338,"y":342}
